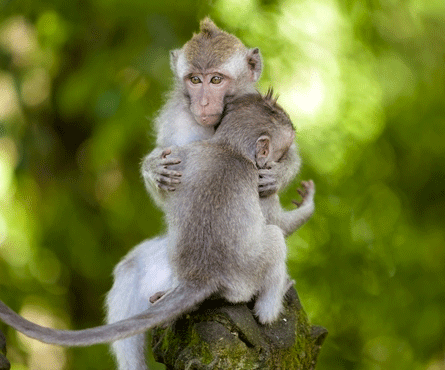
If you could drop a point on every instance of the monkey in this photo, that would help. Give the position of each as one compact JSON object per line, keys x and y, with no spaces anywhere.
{"x":209,"y":70}
{"x":219,"y":242}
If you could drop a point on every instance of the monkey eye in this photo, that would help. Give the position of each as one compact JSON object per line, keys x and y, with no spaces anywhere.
{"x":216,"y":80}
{"x":195,"y":80}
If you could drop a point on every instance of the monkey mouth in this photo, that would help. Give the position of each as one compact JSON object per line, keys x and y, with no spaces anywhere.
{"x":208,"y":119}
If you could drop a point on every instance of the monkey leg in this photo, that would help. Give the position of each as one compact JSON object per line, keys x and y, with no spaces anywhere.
{"x":269,"y":303}
{"x":143,"y":272}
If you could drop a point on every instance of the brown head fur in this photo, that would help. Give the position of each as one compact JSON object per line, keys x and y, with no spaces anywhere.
{"x":247,"y":118}
{"x":255,"y":107}
{"x":211,"y":46}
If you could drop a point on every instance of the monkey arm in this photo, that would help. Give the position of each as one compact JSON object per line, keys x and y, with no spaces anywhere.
{"x":290,"y":221}
{"x":158,"y":178}
{"x":280,"y":173}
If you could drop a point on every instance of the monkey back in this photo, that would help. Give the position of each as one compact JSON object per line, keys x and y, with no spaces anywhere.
{"x":218,"y":185}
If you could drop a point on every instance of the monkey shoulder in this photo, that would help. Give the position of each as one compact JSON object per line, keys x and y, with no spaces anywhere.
{"x":180,"y":128}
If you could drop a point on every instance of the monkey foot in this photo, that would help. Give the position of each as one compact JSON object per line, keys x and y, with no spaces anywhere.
{"x":307,"y":188}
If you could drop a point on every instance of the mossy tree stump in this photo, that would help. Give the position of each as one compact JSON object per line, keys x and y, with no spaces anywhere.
{"x":223,"y":336}
{"x":227,"y":337}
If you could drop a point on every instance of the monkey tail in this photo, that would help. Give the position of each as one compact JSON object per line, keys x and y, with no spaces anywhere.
{"x":173,"y":304}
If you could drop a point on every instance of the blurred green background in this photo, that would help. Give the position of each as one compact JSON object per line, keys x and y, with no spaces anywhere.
{"x":363,"y":81}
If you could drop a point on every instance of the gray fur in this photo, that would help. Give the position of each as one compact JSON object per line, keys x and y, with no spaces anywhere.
{"x":219,"y":241}
{"x":175,"y":126}
{"x":135,"y":284}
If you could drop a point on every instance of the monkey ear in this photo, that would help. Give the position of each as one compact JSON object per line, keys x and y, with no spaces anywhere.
{"x":178,"y":63}
{"x":174,"y":54}
{"x":262,"y":150}
{"x":255,"y":63}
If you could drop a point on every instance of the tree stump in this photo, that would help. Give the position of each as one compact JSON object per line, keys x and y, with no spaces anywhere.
{"x":4,"y":363}
{"x":220,"y":335}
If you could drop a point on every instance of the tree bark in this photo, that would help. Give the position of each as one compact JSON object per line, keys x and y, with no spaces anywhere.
{"x":4,"y":363}
{"x":223,"y":336}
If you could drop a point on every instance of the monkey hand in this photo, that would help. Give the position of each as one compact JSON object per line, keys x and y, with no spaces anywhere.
{"x":155,"y":168}
{"x":267,"y":182}
{"x":307,"y":193}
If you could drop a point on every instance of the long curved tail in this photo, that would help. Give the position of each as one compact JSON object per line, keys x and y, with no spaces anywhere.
{"x":180,"y":300}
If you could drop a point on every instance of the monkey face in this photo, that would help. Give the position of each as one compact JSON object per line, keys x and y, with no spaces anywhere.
{"x":207,"y":92}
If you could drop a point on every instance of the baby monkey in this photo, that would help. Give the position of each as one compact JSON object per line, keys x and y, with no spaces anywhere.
{"x":219,"y":243}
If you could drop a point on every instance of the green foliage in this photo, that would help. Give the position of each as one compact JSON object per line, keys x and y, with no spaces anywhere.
{"x":364,"y":83}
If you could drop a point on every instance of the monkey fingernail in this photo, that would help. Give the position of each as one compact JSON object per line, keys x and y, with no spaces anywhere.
{"x":165,"y":153}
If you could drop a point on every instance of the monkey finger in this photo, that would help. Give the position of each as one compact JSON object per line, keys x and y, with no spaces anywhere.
{"x":169,"y":161}
{"x":298,"y":204}
{"x":309,"y":188}
{"x":307,"y":184}
{"x":266,"y":183}
{"x":265,"y":194}
{"x":267,"y":190}
{"x":165,"y":187}
{"x":168,"y":173}
{"x":302,"y":192}
{"x":310,"y":185}
{"x":167,"y":180}
{"x":265,"y":172}
{"x":265,"y":175}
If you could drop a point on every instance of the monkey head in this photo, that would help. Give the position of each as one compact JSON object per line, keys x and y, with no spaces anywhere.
{"x":257,"y":126}
{"x":271,"y":148}
{"x":278,"y":132}
{"x":213,"y":66}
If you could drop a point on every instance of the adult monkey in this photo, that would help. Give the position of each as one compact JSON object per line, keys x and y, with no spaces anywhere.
{"x":212,"y":68}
